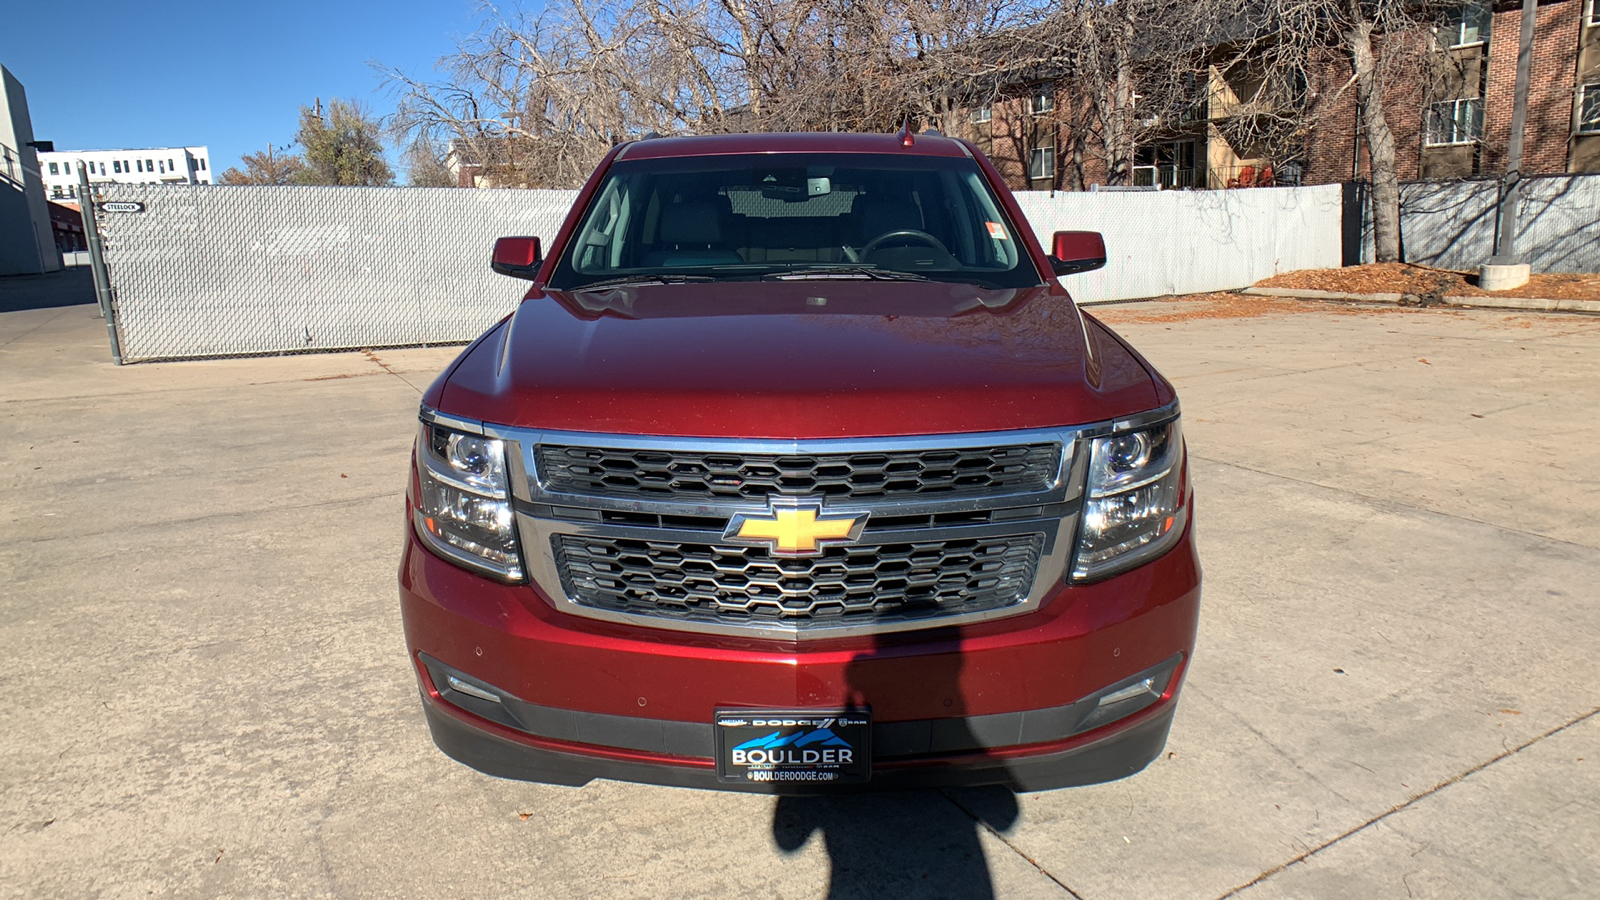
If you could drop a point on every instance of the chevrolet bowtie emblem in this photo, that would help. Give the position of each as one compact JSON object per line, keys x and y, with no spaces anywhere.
{"x":795,"y":529}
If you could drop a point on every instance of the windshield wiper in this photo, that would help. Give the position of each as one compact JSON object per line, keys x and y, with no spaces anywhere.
{"x":824,"y":272}
{"x":632,"y":280}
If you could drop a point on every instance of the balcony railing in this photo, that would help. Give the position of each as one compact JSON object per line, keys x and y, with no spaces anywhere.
{"x":1165,"y":178}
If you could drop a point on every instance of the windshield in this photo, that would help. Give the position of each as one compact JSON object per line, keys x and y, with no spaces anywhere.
{"x":795,"y":215}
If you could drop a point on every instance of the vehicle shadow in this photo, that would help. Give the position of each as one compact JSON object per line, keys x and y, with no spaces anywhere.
{"x":923,"y":843}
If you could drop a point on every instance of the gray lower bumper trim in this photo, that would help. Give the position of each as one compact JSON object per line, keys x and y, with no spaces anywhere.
{"x":890,"y":740}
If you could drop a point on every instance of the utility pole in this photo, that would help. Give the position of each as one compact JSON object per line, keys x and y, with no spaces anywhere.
{"x":1505,"y":268}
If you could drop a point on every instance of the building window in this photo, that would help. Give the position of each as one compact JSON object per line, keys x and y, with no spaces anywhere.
{"x":202,"y":163}
{"x":53,"y":169}
{"x":55,"y":192}
{"x":102,"y":168}
{"x":1042,"y":163}
{"x":1593,"y":18}
{"x":1468,"y":24}
{"x":149,"y":165}
{"x":1042,"y":100}
{"x":1455,"y":122}
{"x":981,"y":114}
{"x":1589,"y":108}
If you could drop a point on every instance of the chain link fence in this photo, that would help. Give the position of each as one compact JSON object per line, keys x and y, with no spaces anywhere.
{"x":203,"y":270}
{"x":1452,"y":224}
{"x":209,"y":270}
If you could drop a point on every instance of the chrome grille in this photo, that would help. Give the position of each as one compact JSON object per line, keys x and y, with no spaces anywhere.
{"x":672,"y":474}
{"x":861,"y":583}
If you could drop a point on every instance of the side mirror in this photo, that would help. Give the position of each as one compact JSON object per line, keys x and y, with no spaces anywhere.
{"x":1077,"y":251}
{"x":518,"y":257}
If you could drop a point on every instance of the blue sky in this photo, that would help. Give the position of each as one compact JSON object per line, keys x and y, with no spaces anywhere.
{"x":231,"y":76}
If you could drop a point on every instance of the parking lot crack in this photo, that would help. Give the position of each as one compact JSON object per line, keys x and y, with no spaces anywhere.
{"x":999,"y":836}
{"x":373,"y":357}
{"x":1401,"y":807}
{"x":64,"y":311}
{"x":343,"y":501}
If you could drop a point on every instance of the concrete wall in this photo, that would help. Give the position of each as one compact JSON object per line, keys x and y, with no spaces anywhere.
{"x":27,"y":246}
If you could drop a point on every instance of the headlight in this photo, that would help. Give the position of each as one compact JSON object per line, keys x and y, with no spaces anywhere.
{"x":464,"y":508}
{"x":1132,"y":502}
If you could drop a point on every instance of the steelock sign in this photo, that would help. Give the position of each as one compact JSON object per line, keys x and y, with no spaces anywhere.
{"x":120,"y":206}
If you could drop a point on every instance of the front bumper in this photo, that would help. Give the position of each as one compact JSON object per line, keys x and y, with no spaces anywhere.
{"x":595,"y":687}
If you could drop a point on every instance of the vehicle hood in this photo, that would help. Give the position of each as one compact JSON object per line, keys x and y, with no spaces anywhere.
{"x":798,"y":360}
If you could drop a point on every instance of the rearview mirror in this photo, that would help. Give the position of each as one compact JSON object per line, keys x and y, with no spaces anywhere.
{"x":1077,"y":251}
{"x":518,"y":257}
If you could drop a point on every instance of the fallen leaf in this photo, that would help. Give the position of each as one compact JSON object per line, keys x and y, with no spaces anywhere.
{"x":1477,"y":415}
{"x":524,"y":816}
{"x":1424,"y":362}
{"x":343,"y":475}
{"x":1339,"y":671}
{"x":1512,"y":712}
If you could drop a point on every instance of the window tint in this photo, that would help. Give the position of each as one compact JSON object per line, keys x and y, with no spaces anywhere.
{"x":1455,"y":121}
{"x":1589,"y":107}
{"x":749,"y":217}
{"x":1042,"y":163}
{"x":1468,"y":24}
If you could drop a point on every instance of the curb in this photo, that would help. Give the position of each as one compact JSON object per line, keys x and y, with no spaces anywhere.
{"x":1537,"y":304}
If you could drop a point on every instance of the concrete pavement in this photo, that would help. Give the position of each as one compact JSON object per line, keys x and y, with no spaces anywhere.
{"x":1392,"y":695}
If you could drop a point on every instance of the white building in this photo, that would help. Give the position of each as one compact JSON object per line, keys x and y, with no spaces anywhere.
{"x":155,"y":165}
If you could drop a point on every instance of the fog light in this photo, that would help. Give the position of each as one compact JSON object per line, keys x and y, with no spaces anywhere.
{"x":1147,"y":686}
{"x":470,"y":689}
{"x":1131,"y":695}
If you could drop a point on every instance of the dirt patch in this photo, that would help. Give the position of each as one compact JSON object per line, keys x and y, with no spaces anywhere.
{"x":1404,"y":278}
{"x":1190,"y":307}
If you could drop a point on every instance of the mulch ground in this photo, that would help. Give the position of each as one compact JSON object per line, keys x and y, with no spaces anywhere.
{"x":1405,"y":278}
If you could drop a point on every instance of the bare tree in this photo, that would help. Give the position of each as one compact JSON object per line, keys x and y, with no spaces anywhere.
{"x":535,"y":99}
{"x":426,"y":166}
{"x":1372,"y":48}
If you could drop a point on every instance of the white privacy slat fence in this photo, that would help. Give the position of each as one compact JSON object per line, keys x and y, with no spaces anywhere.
{"x":208,"y":270}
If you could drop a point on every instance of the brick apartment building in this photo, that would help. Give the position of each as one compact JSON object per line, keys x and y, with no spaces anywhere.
{"x":1449,"y":104}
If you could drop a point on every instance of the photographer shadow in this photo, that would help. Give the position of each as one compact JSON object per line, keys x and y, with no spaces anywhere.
{"x":914,"y":843}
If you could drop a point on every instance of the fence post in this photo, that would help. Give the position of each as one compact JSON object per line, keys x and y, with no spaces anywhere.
{"x":97,"y":260}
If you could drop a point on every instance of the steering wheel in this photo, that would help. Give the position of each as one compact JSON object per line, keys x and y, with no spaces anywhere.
{"x":921,"y":236}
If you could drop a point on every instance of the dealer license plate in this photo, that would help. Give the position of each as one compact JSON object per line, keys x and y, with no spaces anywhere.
{"x":794,"y":746}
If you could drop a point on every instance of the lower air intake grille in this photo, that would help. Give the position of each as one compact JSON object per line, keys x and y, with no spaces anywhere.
{"x":861,"y":583}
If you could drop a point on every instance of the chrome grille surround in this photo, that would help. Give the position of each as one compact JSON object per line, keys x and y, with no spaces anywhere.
{"x":1045,"y":518}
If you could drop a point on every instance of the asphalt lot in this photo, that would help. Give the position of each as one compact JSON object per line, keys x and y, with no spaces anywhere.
{"x":1393,"y":694}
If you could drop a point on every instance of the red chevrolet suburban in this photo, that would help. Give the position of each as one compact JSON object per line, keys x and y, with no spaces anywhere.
{"x":797,"y":471}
